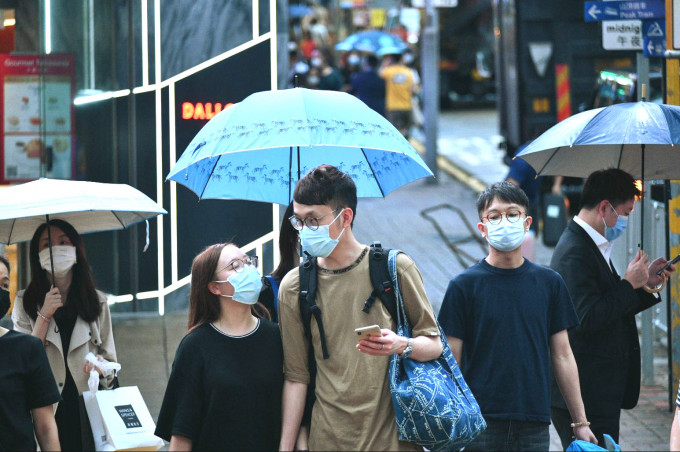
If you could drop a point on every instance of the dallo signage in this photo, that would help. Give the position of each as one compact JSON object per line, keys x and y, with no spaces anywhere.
{"x":202,"y":111}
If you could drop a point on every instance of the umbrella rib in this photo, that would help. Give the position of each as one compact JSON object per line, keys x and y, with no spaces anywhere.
{"x":11,"y":230}
{"x":290,"y":170}
{"x":373,"y":172}
{"x":549,"y":159}
{"x":618,"y":164}
{"x":119,"y":220}
{"x":209,"y":176}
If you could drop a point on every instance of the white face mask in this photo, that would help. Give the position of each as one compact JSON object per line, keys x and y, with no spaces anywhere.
{"x":505,"y":236}
{"x":64,"y":257}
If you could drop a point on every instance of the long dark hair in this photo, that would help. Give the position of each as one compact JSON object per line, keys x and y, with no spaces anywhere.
{"x":205,"y":306}
{"x":82,"y":293}
{"x":288,"y":242}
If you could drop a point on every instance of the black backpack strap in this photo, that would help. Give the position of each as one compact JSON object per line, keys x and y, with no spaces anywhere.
{"x":308,"y":306}
{"x":381,"y":280}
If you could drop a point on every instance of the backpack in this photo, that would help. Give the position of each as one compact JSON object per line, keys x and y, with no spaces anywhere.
{"x":380,"y":280}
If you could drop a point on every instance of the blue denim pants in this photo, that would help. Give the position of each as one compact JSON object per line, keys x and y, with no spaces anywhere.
{"x":511,"y":436}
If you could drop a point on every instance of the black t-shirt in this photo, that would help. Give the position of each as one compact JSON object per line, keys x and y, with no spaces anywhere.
{"x":26,"y":382}
{"x":224,"y":392}
{"x":505,"y":318}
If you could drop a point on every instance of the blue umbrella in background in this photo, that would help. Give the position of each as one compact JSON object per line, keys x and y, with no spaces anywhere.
{"x":258,"y":149}
{"x":372,"y":41}
{"x":641,"y":138}
{"x":297,"y":11}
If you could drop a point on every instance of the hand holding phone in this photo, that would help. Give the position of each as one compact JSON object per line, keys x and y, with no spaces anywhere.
{"x":366,"y":331}
{"x":668,"y":265}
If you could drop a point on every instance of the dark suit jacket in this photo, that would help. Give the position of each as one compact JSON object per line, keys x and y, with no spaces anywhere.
{"x":605,"y":344}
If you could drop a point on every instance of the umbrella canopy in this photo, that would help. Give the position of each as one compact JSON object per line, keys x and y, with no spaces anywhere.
{"x":87,"y":206}
{"x":259,"y":148}
{"x":617,"y":136}
{"x":372,"y":41}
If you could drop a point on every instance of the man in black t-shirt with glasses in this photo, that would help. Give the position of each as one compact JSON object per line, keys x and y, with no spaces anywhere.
{"x":506,"y":321}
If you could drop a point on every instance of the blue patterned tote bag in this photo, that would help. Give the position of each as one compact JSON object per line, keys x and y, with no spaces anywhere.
{"x":433,"y":405}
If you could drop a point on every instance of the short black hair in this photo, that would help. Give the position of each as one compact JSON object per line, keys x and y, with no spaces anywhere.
{"x":372,"y":61}
{"x":613,"y":185}
{"x":5,"y":261}
{"x":327,"y":185}
{"x":504,"y":191}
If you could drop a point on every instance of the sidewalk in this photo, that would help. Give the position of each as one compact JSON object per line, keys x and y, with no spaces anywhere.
{"x":146,"y":344}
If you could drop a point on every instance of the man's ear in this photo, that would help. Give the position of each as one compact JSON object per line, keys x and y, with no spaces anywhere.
{"x":527,"y":223}
{"x":347,"y":216}
{"x":602,"y":207}
{"x":482,"y":229}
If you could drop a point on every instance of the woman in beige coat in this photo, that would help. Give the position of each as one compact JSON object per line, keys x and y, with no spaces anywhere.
{"x":68,"y":310}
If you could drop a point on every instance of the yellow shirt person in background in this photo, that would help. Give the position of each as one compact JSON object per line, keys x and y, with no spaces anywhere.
{"x":399,"y":86}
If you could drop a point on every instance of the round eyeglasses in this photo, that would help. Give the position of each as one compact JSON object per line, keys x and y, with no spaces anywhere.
{"x":513,"y":216}
{"x":239,"y":264}
{"x":311,"y":223}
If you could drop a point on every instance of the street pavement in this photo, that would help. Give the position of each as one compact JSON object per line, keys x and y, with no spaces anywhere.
{"x":146,"y":343}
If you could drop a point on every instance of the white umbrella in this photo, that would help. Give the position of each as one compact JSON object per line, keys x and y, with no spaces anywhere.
{"x":87,"y":206}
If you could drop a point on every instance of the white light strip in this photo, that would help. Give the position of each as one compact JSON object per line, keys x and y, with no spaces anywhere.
{"x":157,"y":40}
{"x":144,"y":89}
{"x":145,"y":42}
{"x":274,"y":47}
{"x":152,"y":87}
{"x":256,"y":18}
{"x":159,"y":154}
{"x":99,"y":97}
{"x":174,"y":259}
{"x":256,"y":245}
{"x":112,"y":299}
{"x":9,"y":22}
{"x":48,"y":26}
{"x":276,"y":230}
{"x":91,"y":43}
{"x":218,"y":58}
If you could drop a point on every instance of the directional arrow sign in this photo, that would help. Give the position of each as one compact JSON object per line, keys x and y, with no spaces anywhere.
{"x":654,"y":37}
{"x":622,"y":10}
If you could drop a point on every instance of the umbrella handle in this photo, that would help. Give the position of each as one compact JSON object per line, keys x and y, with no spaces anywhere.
{"x":658,"y":288}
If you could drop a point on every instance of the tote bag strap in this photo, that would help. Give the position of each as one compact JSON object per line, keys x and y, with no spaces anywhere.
{"x":403,"y":327}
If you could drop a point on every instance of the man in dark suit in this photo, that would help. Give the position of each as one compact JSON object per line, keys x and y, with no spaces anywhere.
{"x":605,"y":344}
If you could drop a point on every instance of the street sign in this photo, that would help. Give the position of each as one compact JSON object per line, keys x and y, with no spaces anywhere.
{"x":621,"y":10}
{"x":654,"y":37}
{"x":622,"y":35}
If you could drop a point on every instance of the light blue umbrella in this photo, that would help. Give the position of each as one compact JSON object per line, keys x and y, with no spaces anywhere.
{"x":640,"y":138}
{"x":372,"y":41}
{"x":258,"y":149}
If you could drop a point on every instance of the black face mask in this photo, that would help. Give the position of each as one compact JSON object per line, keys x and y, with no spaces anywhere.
{"x":4,"y":302}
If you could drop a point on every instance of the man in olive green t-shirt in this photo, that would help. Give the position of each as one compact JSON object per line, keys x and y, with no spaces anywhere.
{"x":353,"y":408}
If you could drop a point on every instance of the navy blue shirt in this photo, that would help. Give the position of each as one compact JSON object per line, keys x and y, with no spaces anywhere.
{"x":369,"y":87}
{"x":505,"y":318}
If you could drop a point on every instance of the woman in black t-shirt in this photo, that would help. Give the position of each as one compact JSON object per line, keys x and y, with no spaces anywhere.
{"x":224,"y":391}
{"x":27,"y":387}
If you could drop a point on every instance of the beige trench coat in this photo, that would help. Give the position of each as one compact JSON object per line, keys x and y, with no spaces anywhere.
{"x":95,"y":337}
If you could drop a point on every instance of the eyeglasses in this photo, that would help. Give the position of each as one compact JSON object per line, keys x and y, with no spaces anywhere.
{"x":311,"y":223}
{"x":513,"y":216}
{"x":239,"y":264}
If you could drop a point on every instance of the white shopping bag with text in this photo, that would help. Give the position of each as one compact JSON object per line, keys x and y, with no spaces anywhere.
{"x":120,"y":420}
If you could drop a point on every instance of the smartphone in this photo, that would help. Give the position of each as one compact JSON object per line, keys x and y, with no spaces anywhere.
{"x":365,"y":331}
{"x":668,"y":265}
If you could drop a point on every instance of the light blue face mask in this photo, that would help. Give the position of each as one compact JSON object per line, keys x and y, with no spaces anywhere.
{"x":505,"y":236}
{"x":247,"y":285}
{"x":615,"y":231}
{"x":319,"y":243}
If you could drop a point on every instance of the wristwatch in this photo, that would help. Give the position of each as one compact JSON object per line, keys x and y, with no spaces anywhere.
{"x":409,"y":348}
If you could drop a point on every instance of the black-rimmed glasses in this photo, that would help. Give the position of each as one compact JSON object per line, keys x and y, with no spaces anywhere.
{"x":513,"y":216}
{"x":311,"y":223}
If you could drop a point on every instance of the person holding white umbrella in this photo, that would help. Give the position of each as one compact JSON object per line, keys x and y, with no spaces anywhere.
{"x":62,"y":307}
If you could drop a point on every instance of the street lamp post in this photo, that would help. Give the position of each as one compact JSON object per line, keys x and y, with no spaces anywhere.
{"x":430,"y":71}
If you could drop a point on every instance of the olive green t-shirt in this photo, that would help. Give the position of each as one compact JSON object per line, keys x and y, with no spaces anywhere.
{"x":353,"y":408}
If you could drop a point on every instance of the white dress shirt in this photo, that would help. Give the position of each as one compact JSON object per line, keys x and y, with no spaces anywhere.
{"x":604,"y":245}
